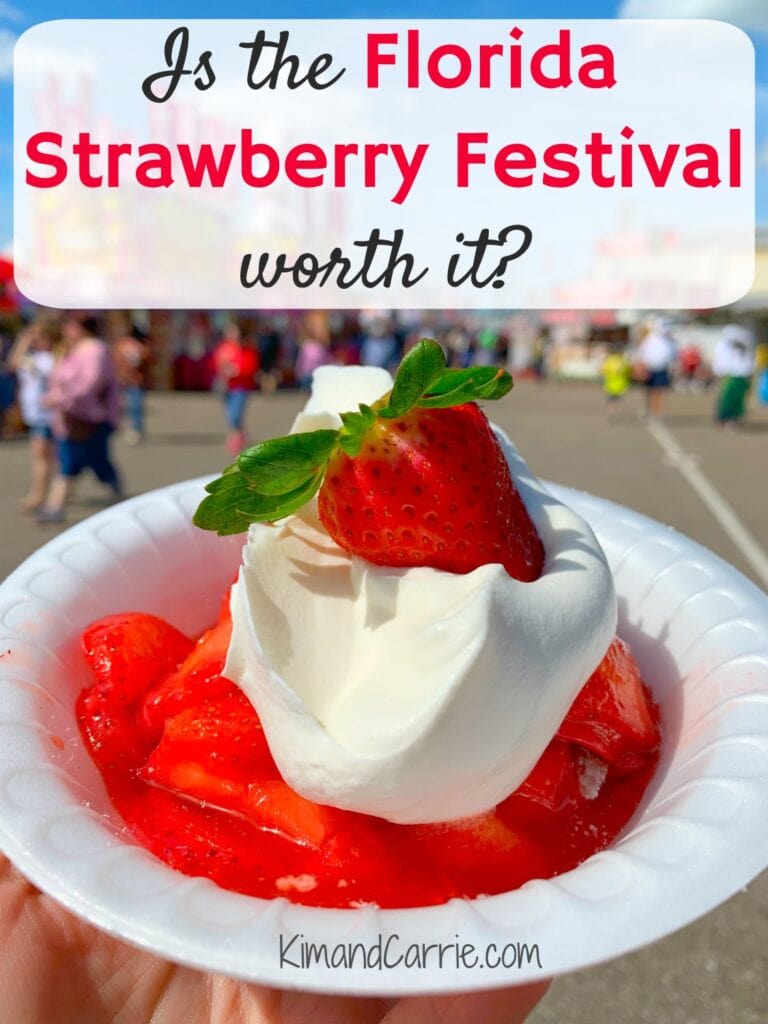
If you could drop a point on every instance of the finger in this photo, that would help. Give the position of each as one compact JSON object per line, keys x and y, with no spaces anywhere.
{"x":14,"y":889}
{"x":309,"y":1008}
{"x":497,"y":1006}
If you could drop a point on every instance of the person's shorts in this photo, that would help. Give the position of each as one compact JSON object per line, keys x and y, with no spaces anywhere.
{"x":657,"y":379}
{"x":269,"y":350}
{"x":235,"y":401}
{"x":40,"y":430}
{"x":75,"y":456}
{"x":7,"y":390}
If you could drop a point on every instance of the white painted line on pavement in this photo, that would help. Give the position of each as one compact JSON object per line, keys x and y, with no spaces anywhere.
{"x":687,"y":465}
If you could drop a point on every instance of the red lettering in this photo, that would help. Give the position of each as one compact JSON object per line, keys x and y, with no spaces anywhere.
{"x":567,"y":170}
{"x":596,"y":149}
{"x":372,"y":152}
{"x":156,"y":158}
{"x":205,"y":165}
{"x":707,"y":163}
{"x":409,"y":169}
{"x":248,"y":151}
{"x":515,"y":157}
{"x":659,"y":172}
{"x":516,"y":59}
{"x":551,"y":66}
{"x":375,"y":58}
{"x":84,"y":149}
{"x":340,"y":154}
{"x":465,"y":157}
{"x":734,"y":147}
{"x":439,"y":77}
{"x":302,"y":159}
{"x":487,"y":53}
{"x":627,"y":167}
{"x":560,"y":53}
{"x":57,"y":163}
{"x":599,"y":73}
{"x":413,"y":58}
{"x":114,"y":152}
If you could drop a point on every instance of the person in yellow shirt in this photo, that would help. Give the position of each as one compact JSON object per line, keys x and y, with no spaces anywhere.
{"x":617,"y":377}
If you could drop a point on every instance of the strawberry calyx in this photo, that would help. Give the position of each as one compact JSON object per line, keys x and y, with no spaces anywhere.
{"x":277,"y":477}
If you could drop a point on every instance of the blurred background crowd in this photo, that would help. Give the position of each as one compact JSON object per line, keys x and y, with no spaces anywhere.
{"x":69,"y":380}
{"x":664,"y":413}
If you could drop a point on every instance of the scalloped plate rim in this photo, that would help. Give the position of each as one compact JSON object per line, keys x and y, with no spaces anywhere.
{"x":205,"y":953}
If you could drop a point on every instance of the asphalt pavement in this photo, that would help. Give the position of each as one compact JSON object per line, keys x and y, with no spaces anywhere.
{"x":708,"y":483}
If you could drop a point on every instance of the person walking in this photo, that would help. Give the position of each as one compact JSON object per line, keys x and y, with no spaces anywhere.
{"x":656,"y":354}
{"x":84,"y":398}
{"x":314,"y":347}
{"x":7,"y":384}
{"x":269,"y":357}
{"x":237,"y":364}
{"x":689,"y":363}
{"x":32,"y":359}
{"x":733,"y":363}
{"x":539,"y":358}
{"x":132,"y":362}
{"x":617,"y":378}
{"x":486,"y":347}
{"x":379,"y":347}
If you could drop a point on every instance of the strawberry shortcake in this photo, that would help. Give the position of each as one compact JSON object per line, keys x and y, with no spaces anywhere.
{"x":414,"y":691}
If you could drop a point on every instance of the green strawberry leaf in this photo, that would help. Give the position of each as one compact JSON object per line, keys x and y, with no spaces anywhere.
{"x":456,"y":387}
{"x":472,"y":378}
{"x":231,"y":505}
{"x":424,"y":382}
{"x":421,"y":368}
{"x":275,"y":478}
{"x":355,"y":426}
{"x":282,"y":464}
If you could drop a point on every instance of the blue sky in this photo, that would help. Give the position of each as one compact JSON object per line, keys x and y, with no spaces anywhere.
{"x":16,"y":15}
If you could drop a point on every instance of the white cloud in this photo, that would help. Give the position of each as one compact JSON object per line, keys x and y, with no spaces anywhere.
{"x":7,"y":43}
{"x":10,"y":13}
{"x":752,"y":14}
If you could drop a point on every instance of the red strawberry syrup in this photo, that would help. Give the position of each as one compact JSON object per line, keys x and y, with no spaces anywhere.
{"x":187,"y":766}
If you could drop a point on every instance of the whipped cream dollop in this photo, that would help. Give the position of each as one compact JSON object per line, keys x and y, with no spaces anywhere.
{"x":415,"y":694}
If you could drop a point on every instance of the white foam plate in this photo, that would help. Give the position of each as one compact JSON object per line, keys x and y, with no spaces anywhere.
{"x":698,"y":628}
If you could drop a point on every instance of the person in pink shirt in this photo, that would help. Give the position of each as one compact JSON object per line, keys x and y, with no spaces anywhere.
{"x":314,"y":347}
{"x":84,"y":399}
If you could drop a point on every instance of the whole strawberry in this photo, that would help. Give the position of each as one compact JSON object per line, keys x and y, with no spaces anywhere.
{"x":417,"y":479}
{"x":431,"y":487}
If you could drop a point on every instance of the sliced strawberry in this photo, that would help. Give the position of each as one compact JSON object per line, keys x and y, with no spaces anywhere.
{"x":223,"y":736}
{"x":553,"y":784}
{"x":109,"y":728}
{"x":128,"y":653}
{"x":266,"y":803}
{"x":217,"y":754}
{"x":196,"y":680}
{"x":611,"y":715}
{"x":363,"y":860}
{"x":274,"y":805}
{"x":485,"y":846}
